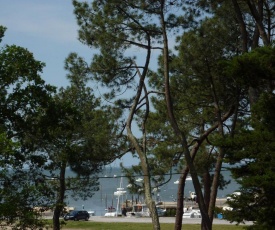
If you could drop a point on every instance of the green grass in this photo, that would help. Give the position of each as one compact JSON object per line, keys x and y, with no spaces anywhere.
{"x":137,"y":226}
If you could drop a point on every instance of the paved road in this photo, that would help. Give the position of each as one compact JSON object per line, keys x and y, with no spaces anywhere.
{"x":132,"y":219}
{"x":162,"y":220}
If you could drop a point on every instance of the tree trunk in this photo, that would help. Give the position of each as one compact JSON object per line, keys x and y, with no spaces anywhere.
{"x":242,"y":25}
{"x":147,"y":184}
{"x":148,"y":195}
{"x":153,"y":211}
{"x":257,"y":15}
{"x":207,"y":188}
{"x":170,"y":110}
{"x":207,"y":192}
{"x":56,"y":214}
{"x":180,"y":199}
{"x":60,"y":199}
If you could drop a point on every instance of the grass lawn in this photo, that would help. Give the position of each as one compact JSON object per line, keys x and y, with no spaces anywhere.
{"x":78,"y":225}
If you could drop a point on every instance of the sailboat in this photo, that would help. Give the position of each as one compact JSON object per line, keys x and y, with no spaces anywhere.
{"x":119,"y":193}
{"x":110,"y":208}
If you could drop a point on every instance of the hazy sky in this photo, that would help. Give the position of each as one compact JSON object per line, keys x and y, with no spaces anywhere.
{"x":48,"y":29}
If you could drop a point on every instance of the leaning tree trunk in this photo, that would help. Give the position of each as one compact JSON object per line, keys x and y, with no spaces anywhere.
{"x":147,"y":185}
{"x":145,"y":169}
{"x":170,"y":110}
{"x":149,"y":200}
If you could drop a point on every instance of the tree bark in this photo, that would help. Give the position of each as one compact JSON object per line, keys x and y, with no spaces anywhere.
{"x":207,"y":188}
{"x":141,"y":151}
{"x":60,"y":199}
{"x":257,"y":15}
{"x":242,"y":25}
{"x":180,"y":199}
{"x":147,"y":185}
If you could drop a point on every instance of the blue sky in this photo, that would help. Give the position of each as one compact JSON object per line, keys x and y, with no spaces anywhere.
{"x":48,"y":29}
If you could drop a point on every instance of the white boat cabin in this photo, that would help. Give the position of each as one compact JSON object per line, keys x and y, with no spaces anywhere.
{"x":139,"y":210}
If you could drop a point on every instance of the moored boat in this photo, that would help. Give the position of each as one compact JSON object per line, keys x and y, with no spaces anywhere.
{"x":191,"y":213}
{"x":139,"y":210}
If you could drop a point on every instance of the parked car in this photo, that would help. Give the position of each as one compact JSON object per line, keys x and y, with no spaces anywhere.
{"x":161,"y":211}
{"x":77,"y":215}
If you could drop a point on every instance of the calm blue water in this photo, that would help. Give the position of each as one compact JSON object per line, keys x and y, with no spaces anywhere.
{"x":104,"y":197}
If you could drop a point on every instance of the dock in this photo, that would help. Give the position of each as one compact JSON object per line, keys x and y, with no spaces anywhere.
{"x":171,"y":206}
{"x":220,"y":202}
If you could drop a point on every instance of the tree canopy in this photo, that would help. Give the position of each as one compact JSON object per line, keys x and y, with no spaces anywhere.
{"x":208,"y":101}
{"x":251,"y":152}
{"x":24,"y":95}
{"x":197,"y":91}
{"x":44,"y":132}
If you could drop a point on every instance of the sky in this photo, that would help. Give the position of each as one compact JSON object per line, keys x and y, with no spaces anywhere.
{"x":48,"y":29}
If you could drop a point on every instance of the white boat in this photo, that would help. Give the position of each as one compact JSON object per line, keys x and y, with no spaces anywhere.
{"x":107,"y":214}
{"x":188,"y":178}
{"x":156,"y":189}
{"x":139,"y":180}
{"x":111,"y":211}
{"x":191,"y":213}
{"x":91,"y":213}
{"x":139,"y":210}
{"x":120,"y":192}
{"x":233,"y":196}
{"x":110,"y":214}
{"x":227,"y":208}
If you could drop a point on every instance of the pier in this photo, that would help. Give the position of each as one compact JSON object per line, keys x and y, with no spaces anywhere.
{"x":220,"y":202}
{"x":171,"y":206}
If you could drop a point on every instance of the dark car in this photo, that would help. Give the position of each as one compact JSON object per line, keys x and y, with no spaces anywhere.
{"x":77,"y":215}
{"x":161,"y":211}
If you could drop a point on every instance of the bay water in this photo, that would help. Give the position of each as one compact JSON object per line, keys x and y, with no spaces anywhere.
{"x":111,"y":180}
